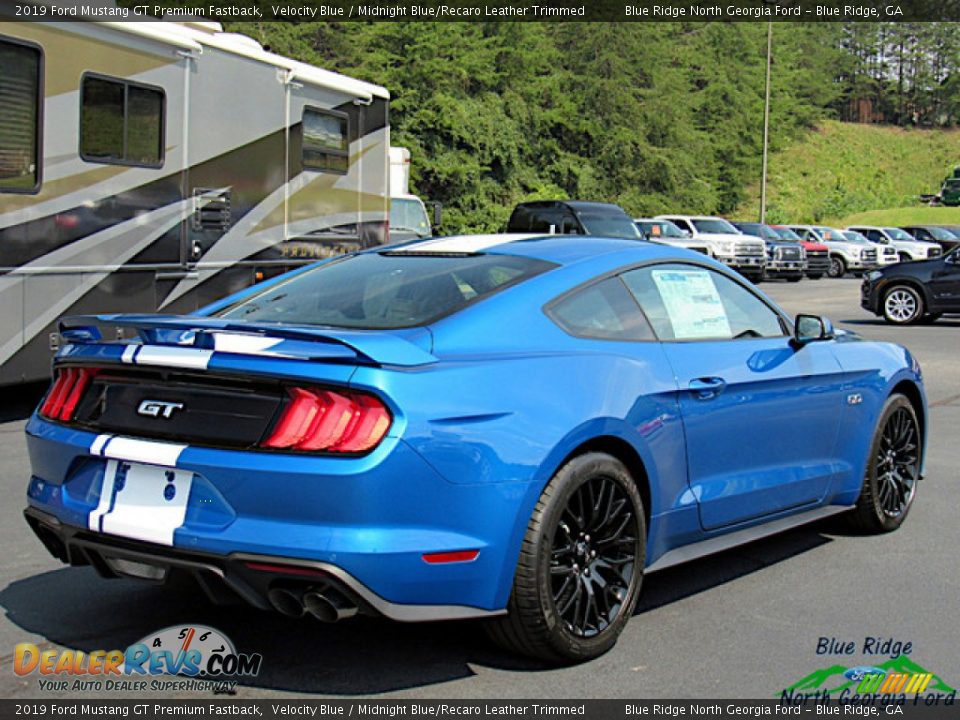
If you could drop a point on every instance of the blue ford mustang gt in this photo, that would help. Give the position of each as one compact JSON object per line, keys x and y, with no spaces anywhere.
{"x":505,"y":427}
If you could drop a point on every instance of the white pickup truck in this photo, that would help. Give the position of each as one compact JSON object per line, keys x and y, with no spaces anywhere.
{"x":907,"y":247}
{"x":744,"y":253}
{"x":846,"y":255}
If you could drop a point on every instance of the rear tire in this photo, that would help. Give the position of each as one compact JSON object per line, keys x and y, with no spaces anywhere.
{"x":893,"y":469}
{"x":795,"y":278}
{"x":902,"y":305}
{"x":581,"y":565}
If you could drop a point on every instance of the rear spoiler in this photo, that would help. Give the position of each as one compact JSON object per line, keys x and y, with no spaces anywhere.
{"x":249,"y":338}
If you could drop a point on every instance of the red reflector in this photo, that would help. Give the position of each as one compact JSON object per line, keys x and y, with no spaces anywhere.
{"x":451,"y":557}
{"x":287,"y":569}
{"x":326,"y":420}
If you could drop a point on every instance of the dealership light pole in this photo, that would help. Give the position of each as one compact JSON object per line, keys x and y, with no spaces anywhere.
{"x":766,"y":126}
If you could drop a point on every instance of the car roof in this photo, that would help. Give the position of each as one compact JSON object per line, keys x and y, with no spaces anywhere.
{"x":572,"y":204}
{"x":559,"y":249}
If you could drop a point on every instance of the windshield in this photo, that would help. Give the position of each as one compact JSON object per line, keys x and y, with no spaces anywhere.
{"x":852,"y":236}
{"x":952,"y":185}
{"x":385,"y":290}
{"x":898,"y":234}
{"x":661,"y":229}
{"x":714,"y":226}
{"x":610,"y":226}
{"x":759,"y":230}
{"x":409,"y":215}
{"x":787,"y":234}
{"x":940,"y":233}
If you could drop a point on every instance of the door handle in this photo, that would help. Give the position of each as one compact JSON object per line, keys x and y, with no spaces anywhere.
{"x":707,"y":388}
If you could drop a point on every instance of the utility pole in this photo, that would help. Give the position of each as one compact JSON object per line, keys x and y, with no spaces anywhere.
{"x":766,"y":126}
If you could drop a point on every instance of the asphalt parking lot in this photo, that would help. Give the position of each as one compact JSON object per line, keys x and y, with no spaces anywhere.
{"x":742,"y":624}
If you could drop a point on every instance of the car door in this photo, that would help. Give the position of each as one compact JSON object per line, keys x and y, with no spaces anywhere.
{"x":944,"y":284}
{"x":760,"y":417}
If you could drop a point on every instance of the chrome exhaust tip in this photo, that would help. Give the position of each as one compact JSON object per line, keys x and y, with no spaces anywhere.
{"x":287,"y":602}
{"x":328,"y":608}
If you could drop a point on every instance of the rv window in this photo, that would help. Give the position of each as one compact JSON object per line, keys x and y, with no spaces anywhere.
{"x":326,"y":144}
{"x":121,"y":122}
{"x":19,"y":118}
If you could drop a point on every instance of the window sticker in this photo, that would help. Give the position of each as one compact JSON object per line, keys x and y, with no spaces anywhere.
{"x":692,"y":303}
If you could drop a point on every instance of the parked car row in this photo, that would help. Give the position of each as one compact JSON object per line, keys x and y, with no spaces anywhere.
{"x":912,"y":274}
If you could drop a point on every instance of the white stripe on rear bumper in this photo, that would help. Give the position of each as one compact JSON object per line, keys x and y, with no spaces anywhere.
{"x":145,"y":451}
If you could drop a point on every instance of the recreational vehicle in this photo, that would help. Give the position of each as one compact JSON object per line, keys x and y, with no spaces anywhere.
{"x":159,"y":166}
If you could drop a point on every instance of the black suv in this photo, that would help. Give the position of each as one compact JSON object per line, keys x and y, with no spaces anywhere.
{"x":572,"y":217}
{"x":916,"y":291}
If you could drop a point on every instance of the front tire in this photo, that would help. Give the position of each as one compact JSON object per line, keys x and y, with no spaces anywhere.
{"x":838,"y":267}
{"x":893,"y":469}
{"x":902,"y":305}
{"x":581,"y":564}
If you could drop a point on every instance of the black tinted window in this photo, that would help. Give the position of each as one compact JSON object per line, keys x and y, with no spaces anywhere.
{"x":19,"y":117}
{"x":121,"y":122}
{"x":385,"y":290}
{"x":326,"y":143}
{"x":604,"y":311}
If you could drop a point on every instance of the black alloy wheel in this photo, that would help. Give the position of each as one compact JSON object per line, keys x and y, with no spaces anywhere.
{"x":581,"y":564}
{"x":593,"y":556}
{"x":890,"y":483}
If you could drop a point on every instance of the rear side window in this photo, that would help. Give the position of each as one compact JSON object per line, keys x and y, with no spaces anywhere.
{"x":121,"y":122}
{"x":602,"y":311}
{"x":687,"y":302}
{"x":20,"y":99}
{"x":386,"y":290}
{"x":326,"y":141}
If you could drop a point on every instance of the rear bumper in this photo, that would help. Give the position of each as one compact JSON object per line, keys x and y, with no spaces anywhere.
{"x":370,"y":519}
{"x":224,"y":579}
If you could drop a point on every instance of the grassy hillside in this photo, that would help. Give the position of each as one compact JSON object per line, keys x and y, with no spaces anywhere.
{"x":844,"y":172}
{"x":906,"y":216}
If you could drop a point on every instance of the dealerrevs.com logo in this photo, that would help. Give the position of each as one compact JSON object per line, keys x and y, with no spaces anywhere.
{"x":203,"y":655}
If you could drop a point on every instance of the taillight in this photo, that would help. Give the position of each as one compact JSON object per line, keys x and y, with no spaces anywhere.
{"x":65,"y":394}
{"x":342,"y":422}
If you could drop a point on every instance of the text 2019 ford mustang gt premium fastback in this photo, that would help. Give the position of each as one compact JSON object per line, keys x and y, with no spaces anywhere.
{"x":505,"y":427}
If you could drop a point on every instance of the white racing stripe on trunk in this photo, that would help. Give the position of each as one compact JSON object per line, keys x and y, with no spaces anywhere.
{"x":192,"y":358}
{"x":128,"y":352}
{"x":106,"y":495}
{"x":145,"y":451}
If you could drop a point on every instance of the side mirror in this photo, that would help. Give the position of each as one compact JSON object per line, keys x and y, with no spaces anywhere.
{"x":437,"y":213}
{"x":811,"y":328}
{"x":953,"y":258}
